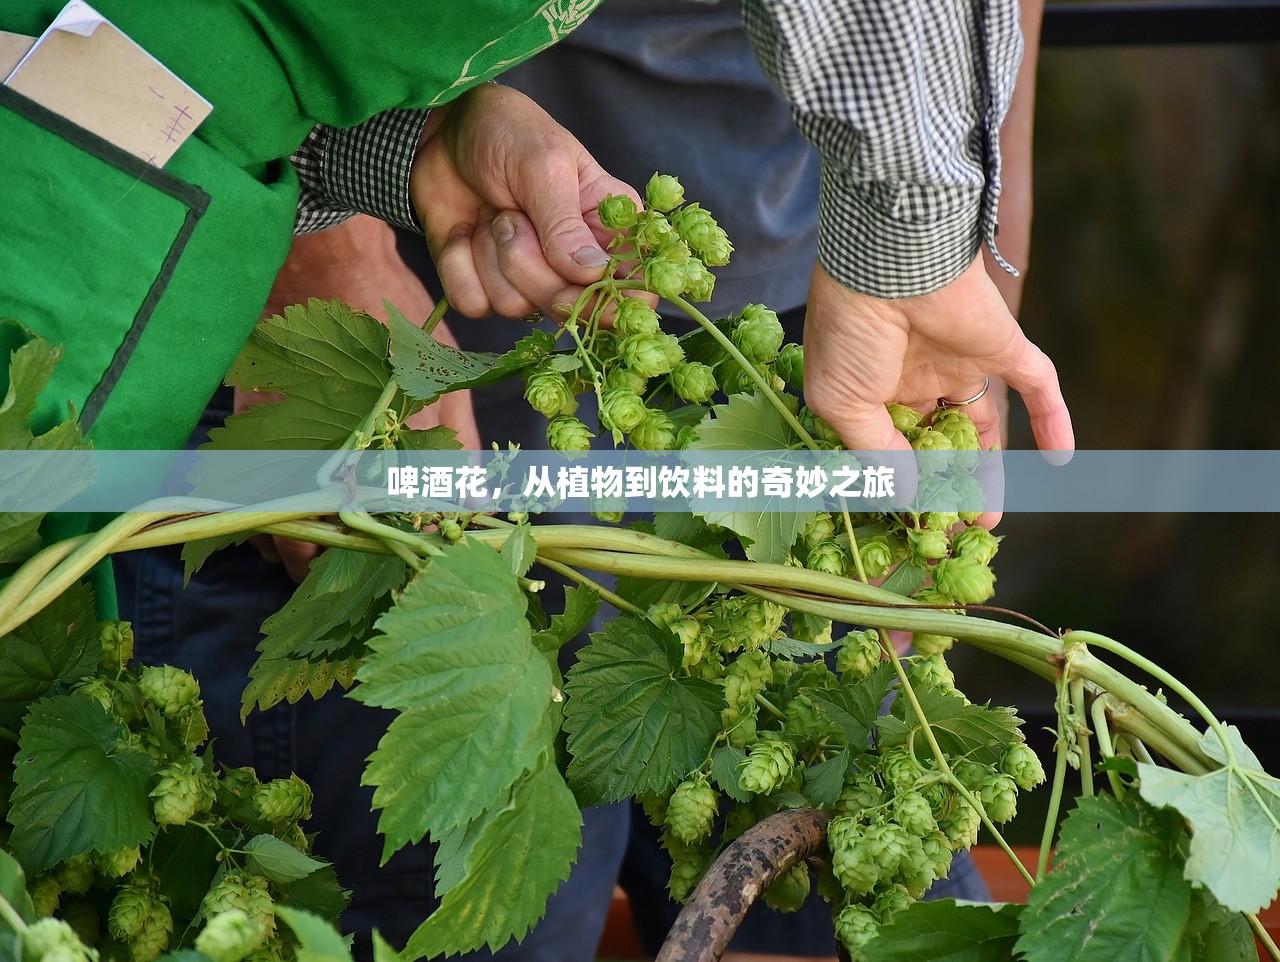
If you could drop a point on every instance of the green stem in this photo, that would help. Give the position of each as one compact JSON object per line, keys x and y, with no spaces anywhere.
{"x":1102,"y":732}
{"x":573,"y":574}
{"x":732,"y":350}
{"x":1262,"y":935}
{"x":1080,"y":728}
{"x":11,"y":916}
{"x":436,"y":316}
{"x":410,"y":547}
{"x":770,"y":707}
{"x":359,"y":436}
{"x":1165,"y":678}
{"x":1055,"y":806}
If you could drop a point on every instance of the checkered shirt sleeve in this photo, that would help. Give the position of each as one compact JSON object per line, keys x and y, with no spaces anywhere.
{"x":904,"y":101}
{"x":363,"y":169}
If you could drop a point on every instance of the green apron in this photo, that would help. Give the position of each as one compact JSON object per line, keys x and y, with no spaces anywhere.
{"x":153,"y":279}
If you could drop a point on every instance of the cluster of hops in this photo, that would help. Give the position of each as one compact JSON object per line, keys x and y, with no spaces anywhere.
{"x":114,"y":903}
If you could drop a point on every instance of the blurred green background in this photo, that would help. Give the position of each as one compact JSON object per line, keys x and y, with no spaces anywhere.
{"x":1152,"y":286}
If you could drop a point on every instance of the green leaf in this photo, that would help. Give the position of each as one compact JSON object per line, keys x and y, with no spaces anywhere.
{"x":750,"y":423}
{"x":288,"y":679}
{"x":513,"y":860}
{"x":318,"y":941}
{"x":185,"y":860}
{"x":58,"y":644}
{"x":455,"y":656}
{"x":425,"y":368}
{"x":580,"y":606}
{"x":519,"y":549}
{"x":318,"y":893}
{"x":643,"y":592}
{"x":1116,"y":892}
{"x":1234,"y":814}
{"x":687,"y":529}
{"x":977,"y":732}
{"x":944,"y":931}
{"x":76,"y":789}
{"x":338,"y":595}
{"x":906,"y":579}
{"x":726,"y":763}
{"x":784,"y":647}
{"x":29,"y":368}
{"x":278,"y":860}
{"x":855,"y":709}
{"x":823,"y":782}
{"x":329,"y":361}
{"x":1218,"y":933}
{"x":635,"y":725}
{"x":13,"y":889}
{"x":438,"y":438}
{"x":564,"y":362}
{"x":196,"y":553}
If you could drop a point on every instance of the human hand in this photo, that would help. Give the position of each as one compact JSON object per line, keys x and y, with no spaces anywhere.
{"x":507,"y":198}
{"x":356,"y":262}
{"x":863,"y":351}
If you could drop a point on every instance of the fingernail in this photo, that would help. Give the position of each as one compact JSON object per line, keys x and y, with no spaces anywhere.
{"x":1058,"y":459}
{"x":564,"y":310}
{"x":503,"y":230}
{"x":460,"y":232}
{"x":590,"y":257}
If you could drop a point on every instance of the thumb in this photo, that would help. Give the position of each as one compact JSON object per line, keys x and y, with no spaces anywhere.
{"x":868,"y":429}
{"x":554,"y":206}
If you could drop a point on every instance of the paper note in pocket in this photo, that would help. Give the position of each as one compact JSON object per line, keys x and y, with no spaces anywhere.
{"x":88,"y":71}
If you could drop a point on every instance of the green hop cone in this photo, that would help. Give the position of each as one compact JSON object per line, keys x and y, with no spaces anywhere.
{"x":975,"y":543}
{"x":699,"y":283}
{"x":789,"y":890}
{"x":657,"y":432}
{"x":248,"y":893}
{"x":548,"y":393}
{"x":806,"y":724}
{"x":116,"y":638}
{"x":877,"y":556}
{"x":828,"y":557}
{"x":663,"y":192}
{"x":890,"y":901}
{"x":851,"y":858}
{"x":913,"y":812}
{"x":621,"y":410}
{"x":934,"y":672}
{"x":97,"y":689}
{"x":747,"y":677}
{"x":634,"y":316}
{"x":790,"y":366}
{"x":284,"y":800}
{"x":653,"y":231}
{"x":665,"y":276}
{"x":50,"y":938}
{"x":887,"y":842}
{"x":930,"y":440}
{"x":758,"y":334}
{"x":46,"y":894}
{"x":617,"y":212}
{"x":150,"y":943}
{"x":759,"y":620}
{"x":820,"y":529}
{"x":182,"y":790}
{"x":937,"y":849}
{"x":959,"y":429}
{"x":170,"y":689}
{"x":769,"y":764}
{"x":76,"y":874}
{"x":705,"y":237}
{"x":646,"y":354}
{"x":694,"y":381}
{"x":999,"y":794}
{"x":696,"y":642}
{"x":664,"y":614}
{"x":906,"y":420}
{"x":859,"y":654}
{"x":1022,"y":764}
{"x":940,"y":520}
{"x":856,"y":925}
{"x":130,"y":909}
{"x":119,"y":863}
{"x":230,"y":936}
{"x":859,"y":793}
{"x":685,"y":874}
{"x":900,"y":769}
{"x":625,"y":379}
{"x":692,"y":810}
{"x":566,"y":433}
{"x":964,"y":580}
{"x":961,"y":826}
{"x":926,"y":545}
{"x":931,"y":645}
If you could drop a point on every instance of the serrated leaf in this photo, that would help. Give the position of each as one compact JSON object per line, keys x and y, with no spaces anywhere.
{"x":329,"y":361}
{"x":1116,"y":892}
{"x":519,"y":549}
{"x":564,"y":362}
{"x":580,"y":606}
{"x":783,"y":647}
{"x":29,"y":368}
{"x":318,"y":941}
{"x":318,"y":893}
{"x":1217,"y":933}
{"x":944,"y":931}
{"x":196,"y":553}
{"x":977,"y":732}
{"x":288,"y":679}
{"x":455,"y":656}
{"x":823,"y":782}
{"x":750,"y":423}
{"x":75,"y":789}
{"x":424,"y":368}
{"x":906,"y":579}
{"x":726,"y":763}
{"x":855,"y":708}
{"x":278,"y":860}
{"x":438,"y":438}
{"x":518,"y":858}
{"x":58,"y":644}
{"x":13,"y":889}
{"x":340,"y":591}
{"x":635,"y":725}
{"x":1234,"y":814}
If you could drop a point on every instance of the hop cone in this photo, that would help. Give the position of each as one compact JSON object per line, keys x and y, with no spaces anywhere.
{"x":999,"y":794}
{"x":877,"y":556}
{"x":46,"y":894}
{"x":170,"y":689}
{"x":646,"y":354}
{"x":790,"y":366}
{"x":859,"y":793}
{"x":617,"y":212}
{"x":828,"y":557}
{"x":913,"y":812}
{"x":548,"y":393}
{"x":666,"y":277}
{"x":851,"y":859}
{"x":859,"y":654}
{"x":150,"y":943}
{"x":959,"y":429}
{"x":229,"y":936}
{"x":694,"y":381}
{"x":625,"y":379}
{"x":962,"y":825}
{"x":1022,"y":764}
{"x":248,"y":893}
{"x":890,"y":901}
{"x":52,"y":939}
{"x":758,"y":334}
{"x":900,"y":769}
{"x":964,"y":580}
{"x":705,"y":237}
{"x":120,"y":862}
{"x":657,"y":432}
{"x":927,"y":544}
{"x":181,"y":791}
{"x":663,"y":192}
{"x":634,"y":316}
{"x":567,"y":433}
{"x":931,"y":440}
{"x":692,"y":810}
{"x":768,"y":765}
{"x":905,"y":419}
{"x":621,"y":410}
{"x":116,"y":638}
{"x":976,"y":543}
{"x":931,"y":645}
{"x":284,"y":800}
{"x":887,"y":843}
{"x":789,"y":890}
{"x":130,"y":909}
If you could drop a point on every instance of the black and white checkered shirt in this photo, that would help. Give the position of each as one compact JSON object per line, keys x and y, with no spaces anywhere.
{"x":903,"y":99}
